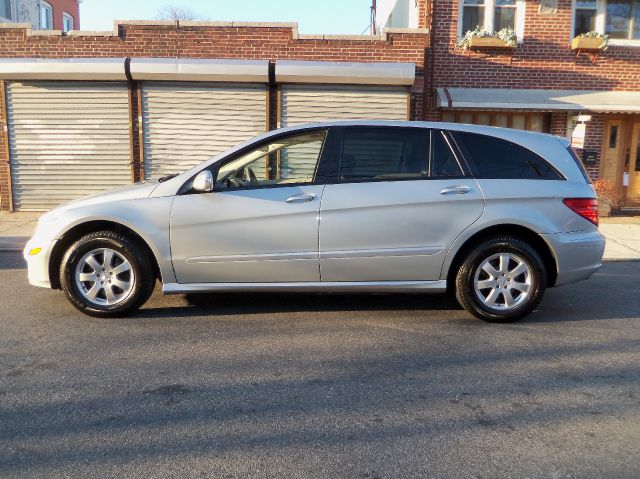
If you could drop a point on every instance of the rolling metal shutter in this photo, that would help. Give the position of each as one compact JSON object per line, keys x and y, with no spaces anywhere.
{"x":67,"y":140}
{"x":188,"y":123}
{"x":310,"y":103}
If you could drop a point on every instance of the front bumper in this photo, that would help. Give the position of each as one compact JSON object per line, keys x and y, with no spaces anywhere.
{"x":578,"y":255}
{"x":38,"y":264}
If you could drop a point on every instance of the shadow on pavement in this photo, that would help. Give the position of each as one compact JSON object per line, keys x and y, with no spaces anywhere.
{"x":608,"y":295}
{"x":599,"y":298}
{"x":12,"y":260}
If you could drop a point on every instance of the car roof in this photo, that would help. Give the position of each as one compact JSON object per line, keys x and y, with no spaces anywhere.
{"x":528,"y":139}
{"x":507,"y":133}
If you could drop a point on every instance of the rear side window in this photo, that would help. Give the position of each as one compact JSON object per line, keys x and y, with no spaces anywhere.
{"x":384,"y":154}
{"x":585,"y":175}
{"x":443,"y":163}
{"x":494,"y":158}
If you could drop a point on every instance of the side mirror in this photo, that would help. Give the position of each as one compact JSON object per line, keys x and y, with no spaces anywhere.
{"x":203,"y":182}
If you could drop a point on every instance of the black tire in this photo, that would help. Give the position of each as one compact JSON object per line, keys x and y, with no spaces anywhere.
{"x":465,"y":280}
{"x":141,"y":267}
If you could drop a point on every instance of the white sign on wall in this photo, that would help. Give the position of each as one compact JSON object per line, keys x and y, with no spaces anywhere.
{"x":579,"y":130}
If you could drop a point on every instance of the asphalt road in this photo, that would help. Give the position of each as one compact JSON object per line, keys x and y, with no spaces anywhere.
{"x":321,"y":386}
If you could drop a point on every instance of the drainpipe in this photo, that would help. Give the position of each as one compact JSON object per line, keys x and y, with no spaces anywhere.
{"x":429,"y":90}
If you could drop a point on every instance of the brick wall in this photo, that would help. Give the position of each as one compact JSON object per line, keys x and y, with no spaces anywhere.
{"x":211,"y":40}
{"x":423,"y":6}
{"x":543,"y":60}
{"x":593,"y":141}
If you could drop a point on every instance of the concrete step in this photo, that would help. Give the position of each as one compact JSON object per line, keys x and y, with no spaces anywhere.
{"x":627,"y":211}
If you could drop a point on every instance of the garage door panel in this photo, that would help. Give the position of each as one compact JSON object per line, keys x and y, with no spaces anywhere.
{"x":186,"y":124}
{"x":67,"y":140}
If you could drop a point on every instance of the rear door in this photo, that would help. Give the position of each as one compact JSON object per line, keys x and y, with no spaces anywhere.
{"x":398,"y":201}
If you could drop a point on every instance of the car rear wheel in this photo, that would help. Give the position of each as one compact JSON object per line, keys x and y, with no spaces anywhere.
{"x":106,"y":274}
{"x":501,"y":280}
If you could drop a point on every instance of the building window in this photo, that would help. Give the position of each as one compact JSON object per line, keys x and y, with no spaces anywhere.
{"x":5,"y":9}
{"x":504,"y":15}
{"x":620,"y":19}
{"x":491,"y":15}
{"x":46,"y":16}
{"x":586,"y":13}
{"x":623,"y":19}
{"x":67,"y":22}
{"x":472,"y":15}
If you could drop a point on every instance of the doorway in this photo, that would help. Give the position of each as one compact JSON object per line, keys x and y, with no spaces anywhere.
{"x":633,"y":190}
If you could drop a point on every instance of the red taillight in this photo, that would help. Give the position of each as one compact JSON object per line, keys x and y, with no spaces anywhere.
{"x":585,"y":207}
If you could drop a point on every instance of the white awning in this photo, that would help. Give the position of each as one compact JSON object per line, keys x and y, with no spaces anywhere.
{"x":545,"y":100}
{"x":291,"y":71}
{"x":103,"y":69}
{"x":181,"y":69}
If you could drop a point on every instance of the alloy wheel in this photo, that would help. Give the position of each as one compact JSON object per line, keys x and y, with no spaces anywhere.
{"x":104,"y":277}
{"x":503,"y":281}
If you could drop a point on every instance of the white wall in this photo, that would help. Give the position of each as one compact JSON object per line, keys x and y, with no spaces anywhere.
{"x":25,"y":11}
{"x":397,"y":14}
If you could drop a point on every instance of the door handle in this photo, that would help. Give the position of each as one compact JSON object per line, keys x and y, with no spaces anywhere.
{"x":303,"y":198}
{"x":455,"y":190}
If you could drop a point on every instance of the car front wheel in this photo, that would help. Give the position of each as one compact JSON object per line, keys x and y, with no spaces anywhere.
{"x":501,"y":280}
{"x":106,"y":274}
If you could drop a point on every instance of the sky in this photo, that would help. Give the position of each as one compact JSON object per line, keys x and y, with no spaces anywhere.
{"x":313,"y":16}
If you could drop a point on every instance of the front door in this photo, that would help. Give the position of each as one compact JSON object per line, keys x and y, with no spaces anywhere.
{"x":633,"y":190}
{"x":612,"y":151}
{"x":400,"y":200}
{"x":260,"y":224}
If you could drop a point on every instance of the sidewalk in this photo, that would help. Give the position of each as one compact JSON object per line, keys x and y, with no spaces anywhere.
{"x":16,"y":229}
{"x":622,"y":233}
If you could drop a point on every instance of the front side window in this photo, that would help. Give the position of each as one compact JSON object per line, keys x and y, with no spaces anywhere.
{"x":283,"y":161}
{"x":377,"y":154}
{"x":67,"y":22}
{"x":46,"y":16}
{"x":5,"y":9}
{"x":491,"y":15}
{"x":494,"y":158}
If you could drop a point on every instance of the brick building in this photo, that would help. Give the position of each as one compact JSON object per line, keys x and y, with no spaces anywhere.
{"x":42,"y":14}
{"x":542,"y":84}
{"x":87,"y":110}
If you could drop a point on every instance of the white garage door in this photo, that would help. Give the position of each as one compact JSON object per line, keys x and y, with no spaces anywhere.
{"x":67,"y":140}
{"x":188,"y":123}
{"x":310,"y":103}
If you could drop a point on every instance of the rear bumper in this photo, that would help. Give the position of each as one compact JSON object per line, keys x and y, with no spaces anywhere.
{"x":578,"y":255}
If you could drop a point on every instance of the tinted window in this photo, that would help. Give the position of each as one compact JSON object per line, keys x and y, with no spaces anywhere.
{"x":384,"y":153}
{"x":585,"y":175}
{"x":495,"y":158}
{"x":443,"y":162}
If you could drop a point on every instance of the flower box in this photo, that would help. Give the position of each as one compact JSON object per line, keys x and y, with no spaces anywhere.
{"x":487,"y":42}
{"x":588,"y":43}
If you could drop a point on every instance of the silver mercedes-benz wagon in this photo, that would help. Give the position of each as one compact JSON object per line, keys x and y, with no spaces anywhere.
{"x":493,"y":215}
